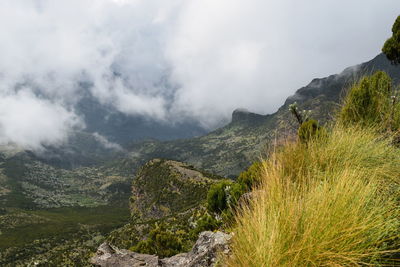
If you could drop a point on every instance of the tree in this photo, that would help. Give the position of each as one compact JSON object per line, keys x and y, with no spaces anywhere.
{"x":391,"y":48}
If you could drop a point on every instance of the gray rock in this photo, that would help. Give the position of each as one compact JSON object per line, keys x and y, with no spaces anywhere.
{"x":107,"y":256}
{"x":203,"y":254}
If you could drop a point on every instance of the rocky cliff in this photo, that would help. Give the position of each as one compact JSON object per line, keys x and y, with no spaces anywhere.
{"x":167,"y":202}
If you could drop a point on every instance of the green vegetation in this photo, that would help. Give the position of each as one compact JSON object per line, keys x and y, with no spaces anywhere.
{"x":164,"y":188}
{"x":250,"y":178}
{"x":371,"y":102}
{"x":56,"y":237}
{"x":310,"y":129}
{"x":206,"y":222}
{"x":161,"y":242}
{"x":330,"y":202}
{"x":391,"y":47}
{"x":223,"y":196}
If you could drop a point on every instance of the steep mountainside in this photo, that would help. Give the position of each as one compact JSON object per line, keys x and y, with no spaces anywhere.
{"x":228,"y":150}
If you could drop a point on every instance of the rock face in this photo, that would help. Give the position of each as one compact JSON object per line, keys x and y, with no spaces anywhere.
{"x":203,"y":254}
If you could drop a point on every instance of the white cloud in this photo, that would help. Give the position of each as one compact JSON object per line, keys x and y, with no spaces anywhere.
{"x":176,"y":59}
{"x":254,"y":53}
{"x":106,"y":143}
{"x":31,"y":122}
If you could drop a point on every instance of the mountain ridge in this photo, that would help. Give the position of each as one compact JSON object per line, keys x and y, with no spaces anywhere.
{"x":231,"y":148}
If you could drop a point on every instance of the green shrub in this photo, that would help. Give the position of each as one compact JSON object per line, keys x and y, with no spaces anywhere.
{"x":223,"y":196}
{"x":160,"y":242}
{"x":370,"y":103}
{"x":309,"y":130}
{"x":251,"y":177}
{"x":206,"y":222}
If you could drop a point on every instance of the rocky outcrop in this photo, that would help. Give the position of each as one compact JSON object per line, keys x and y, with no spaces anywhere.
{"x":204,"y":253}
{"x":244,"y":116}
{"x":166,"y":187}
{"x":168,"y":192}
{"x":108,"y":256}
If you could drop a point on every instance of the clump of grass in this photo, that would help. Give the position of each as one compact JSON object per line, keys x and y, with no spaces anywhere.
{"x":309,"y":130}
{"x":329,"y":202}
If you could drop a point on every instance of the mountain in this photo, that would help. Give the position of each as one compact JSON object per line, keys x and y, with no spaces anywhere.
{"x":225,"y":151}
{"x":229,"y":150}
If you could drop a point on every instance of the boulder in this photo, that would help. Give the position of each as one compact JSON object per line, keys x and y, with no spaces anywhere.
{"x":204,"y":253}
{"x":108,"y":256}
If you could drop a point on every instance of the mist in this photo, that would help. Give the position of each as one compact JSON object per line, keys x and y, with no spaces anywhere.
{"x":171,"y":61}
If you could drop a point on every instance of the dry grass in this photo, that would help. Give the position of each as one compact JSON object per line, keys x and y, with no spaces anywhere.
{"x":331,"y":202}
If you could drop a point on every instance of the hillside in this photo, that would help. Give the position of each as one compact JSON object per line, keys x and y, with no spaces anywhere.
{"x":168,"y":197}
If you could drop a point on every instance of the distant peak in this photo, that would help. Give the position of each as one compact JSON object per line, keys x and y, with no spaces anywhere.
{"x":241,"y":110}
{"x":244,"y":115}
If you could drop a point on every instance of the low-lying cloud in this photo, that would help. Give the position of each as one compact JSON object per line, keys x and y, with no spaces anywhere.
{"x":31,"y":122}
{"x":171,"y":60}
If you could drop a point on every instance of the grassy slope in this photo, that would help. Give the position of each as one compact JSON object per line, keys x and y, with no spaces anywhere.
{"x":331,"y":202}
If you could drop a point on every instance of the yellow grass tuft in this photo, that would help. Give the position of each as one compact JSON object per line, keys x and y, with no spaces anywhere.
{"x":331,"y":202}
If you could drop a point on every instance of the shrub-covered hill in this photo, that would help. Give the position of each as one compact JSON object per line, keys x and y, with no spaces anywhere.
{"x":165,"y":187}
{"x":229,"y":150}
{"x":169,"y":201}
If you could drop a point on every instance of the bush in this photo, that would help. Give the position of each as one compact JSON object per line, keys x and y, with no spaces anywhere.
{"x":251,"y":177}
{"x":206,"y":222}
{"x":223,"y":196}
{"x":330,"y":203}
{"x":160,"y":242}
{"x":370,"y":103}
{"x":309,"y":130}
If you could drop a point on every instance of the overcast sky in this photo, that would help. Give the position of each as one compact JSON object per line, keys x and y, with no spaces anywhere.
{"x":172,"y":59}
